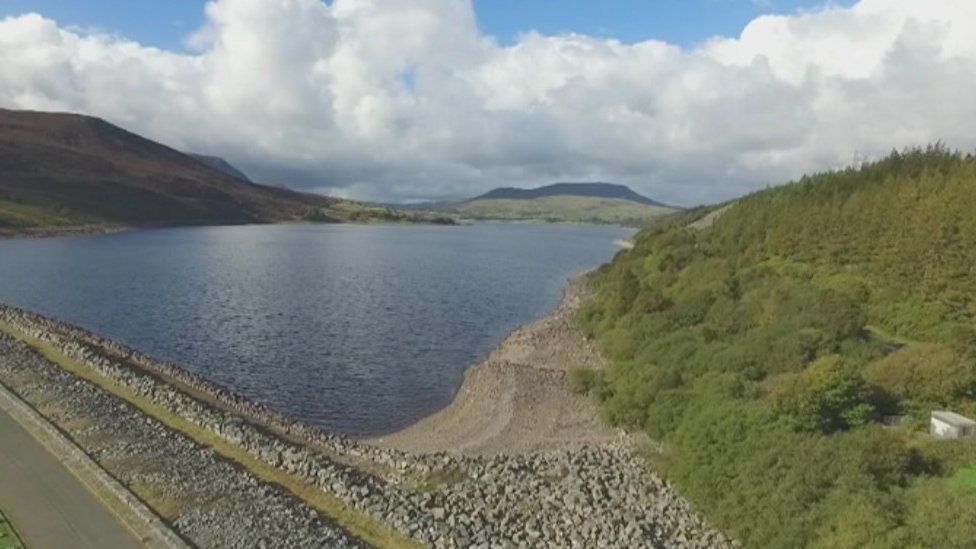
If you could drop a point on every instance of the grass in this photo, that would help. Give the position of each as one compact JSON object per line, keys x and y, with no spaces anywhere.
{"x":967,"y":477}
{"x":372,"y":531}
{"x":77,"y":424}
{"x":350,"y":211}
{"x":18,"y":215}
{"x":166,"y":506}
{"x":40,"y":219}
{"x":575,"y":209}
{"x":8,"y":537}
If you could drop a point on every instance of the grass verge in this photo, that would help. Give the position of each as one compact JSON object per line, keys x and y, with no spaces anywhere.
{"x":370,"y":530}
{"x":8,"y":537}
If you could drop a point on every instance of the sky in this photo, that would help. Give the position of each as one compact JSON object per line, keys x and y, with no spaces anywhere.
{"x":167,"y":23}
{"x":687,"y":101}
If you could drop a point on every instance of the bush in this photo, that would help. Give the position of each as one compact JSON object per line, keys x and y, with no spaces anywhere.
{"x":745,"y":349}
{"x":942,"y":515}
{"x":586,"y":381}
{"x":828,"y":396}
{"x":924,"y":372}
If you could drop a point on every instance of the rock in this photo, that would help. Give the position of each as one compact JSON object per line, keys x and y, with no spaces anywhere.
{"x":590,"y":496}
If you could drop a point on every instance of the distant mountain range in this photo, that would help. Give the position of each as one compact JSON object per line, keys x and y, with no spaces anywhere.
{"x":66,"y":172}
{"x":63,"y":172}
{"x":559,"y":202}
{"x":592,"y":190}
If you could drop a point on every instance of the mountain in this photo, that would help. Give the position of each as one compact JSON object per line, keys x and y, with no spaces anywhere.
{"x":786,"y":353}
{"x":222,"y":165}
{"x":563,"y":202}
{"x":591,"y":190}
{"x":62,"y":172}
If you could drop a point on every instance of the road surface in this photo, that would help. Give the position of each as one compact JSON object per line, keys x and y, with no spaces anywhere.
{"x":48,"y":506}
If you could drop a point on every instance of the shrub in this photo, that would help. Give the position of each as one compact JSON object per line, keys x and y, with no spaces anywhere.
{"x":942,"y":515}
{"x":586,"y":381}
{"x":743,"y":346}
{"x":924,"y":372}
{"x":829,"y":396}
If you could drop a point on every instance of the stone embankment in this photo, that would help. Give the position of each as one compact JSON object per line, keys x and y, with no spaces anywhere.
{"x":129,"y":510}
{"x":589,"y":495}
{"x":207,"y":500}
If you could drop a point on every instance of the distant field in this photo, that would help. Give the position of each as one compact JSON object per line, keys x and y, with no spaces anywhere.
{"x":8,"y":539}
{"x":16,"y":216}
{"x":573,"y":209}
{"x":359,"y":212}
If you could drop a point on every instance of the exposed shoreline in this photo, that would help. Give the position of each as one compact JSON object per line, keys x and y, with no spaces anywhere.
{"x":517,"y":400}
{"x":525,"y":463}
{"x":54,"y":232}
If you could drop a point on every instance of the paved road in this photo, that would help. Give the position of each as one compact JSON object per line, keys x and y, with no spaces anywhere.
{"x":47,"y":505}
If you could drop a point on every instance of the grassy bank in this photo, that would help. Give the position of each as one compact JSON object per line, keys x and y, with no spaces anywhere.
{"x":766,"y":350}
{"x":361,"y":525}
{"x":8,"y":536}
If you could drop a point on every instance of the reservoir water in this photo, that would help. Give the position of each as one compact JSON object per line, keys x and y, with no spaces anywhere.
{"x":360,"y":329}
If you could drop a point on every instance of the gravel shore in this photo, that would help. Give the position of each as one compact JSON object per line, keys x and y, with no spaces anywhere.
{"x":517,"y":461}
{"x":518,"y":400}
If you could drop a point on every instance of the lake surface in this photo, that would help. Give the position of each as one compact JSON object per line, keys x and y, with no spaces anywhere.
{"x":360,"y":329}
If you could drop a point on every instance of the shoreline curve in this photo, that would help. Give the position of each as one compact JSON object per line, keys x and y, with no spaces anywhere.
{"x":517,"y":399}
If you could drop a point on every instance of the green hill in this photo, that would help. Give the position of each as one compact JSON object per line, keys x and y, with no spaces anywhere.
{"x":765,"y":351}
{"x":62,"y":172}
{"x":576,"y":209}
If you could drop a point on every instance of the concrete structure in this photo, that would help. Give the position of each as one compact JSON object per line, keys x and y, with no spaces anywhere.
{"x":952,"y":425}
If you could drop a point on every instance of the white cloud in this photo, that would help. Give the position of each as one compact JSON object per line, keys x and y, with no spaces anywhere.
{"x":389,"y":99}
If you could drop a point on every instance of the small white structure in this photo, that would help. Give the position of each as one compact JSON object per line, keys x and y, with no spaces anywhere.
{"x":952,"y":425}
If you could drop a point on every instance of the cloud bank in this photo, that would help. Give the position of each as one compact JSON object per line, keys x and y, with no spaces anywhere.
{"x":408,"y":99}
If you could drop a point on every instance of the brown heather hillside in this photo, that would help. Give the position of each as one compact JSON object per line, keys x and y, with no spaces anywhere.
{"x":61,"y":171}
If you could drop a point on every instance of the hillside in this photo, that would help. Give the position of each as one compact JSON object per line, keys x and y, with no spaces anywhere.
{"x":62,"y":172}
{"x":222,"y":165}
{"x":563,"y":202}
{"x":576,"y":209}
{"x":594,"y":190}
{"x":765,"y":350}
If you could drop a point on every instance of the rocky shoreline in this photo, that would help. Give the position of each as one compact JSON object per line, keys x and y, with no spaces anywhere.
{"x":584,"y":495}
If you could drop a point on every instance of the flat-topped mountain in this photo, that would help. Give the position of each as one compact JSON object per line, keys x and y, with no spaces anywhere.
{"x":61,"y":172}
{"x":564,"y":202}
{"x":592,"y":190}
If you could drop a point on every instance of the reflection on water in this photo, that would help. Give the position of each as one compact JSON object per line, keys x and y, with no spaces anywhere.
{"x":362,"y":329}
